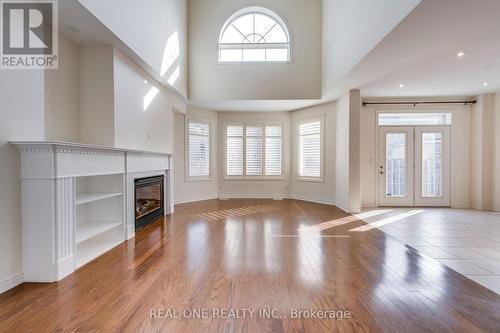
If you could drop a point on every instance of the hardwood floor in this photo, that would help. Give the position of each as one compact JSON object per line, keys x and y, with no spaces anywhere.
{"x":255,"y":254}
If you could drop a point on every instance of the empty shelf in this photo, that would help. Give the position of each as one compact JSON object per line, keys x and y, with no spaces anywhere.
{"x":88,"y":230}
{"x":86,"y":251}
{"x":89,"y":197}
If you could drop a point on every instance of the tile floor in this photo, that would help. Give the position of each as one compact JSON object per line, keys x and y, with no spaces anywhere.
{"x":467,"y":241}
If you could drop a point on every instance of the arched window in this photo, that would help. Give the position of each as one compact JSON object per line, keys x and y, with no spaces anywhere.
{"x":254,"y":34}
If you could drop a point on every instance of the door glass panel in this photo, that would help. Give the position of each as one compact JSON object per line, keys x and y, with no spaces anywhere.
{"x":395,"y":164}
{"x":432,"y":144}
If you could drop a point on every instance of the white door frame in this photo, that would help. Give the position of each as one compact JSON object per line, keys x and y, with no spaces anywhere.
{"x":445,"y":199}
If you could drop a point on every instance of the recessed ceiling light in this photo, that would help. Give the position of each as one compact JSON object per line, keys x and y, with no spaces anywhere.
{"x":460,"y":54}
{"x":486,"y":84}
{"x":401,"y":85}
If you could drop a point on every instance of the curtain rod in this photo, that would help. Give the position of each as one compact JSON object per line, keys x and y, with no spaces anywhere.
{"x":417,"y":103}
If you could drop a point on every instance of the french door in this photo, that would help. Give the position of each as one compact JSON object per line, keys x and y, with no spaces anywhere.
{"x":414,"y":166}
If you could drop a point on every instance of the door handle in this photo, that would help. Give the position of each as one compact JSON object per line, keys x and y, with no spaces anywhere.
{"x":381,"y":172}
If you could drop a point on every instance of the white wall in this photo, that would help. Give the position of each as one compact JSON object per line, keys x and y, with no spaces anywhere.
{"x":482,"y":159}
{"x":96,"y":95}
{"x":351,"y":28}
{"x":62,"y":95}
{"x":209,"y":80}
{"x":313,"y":191}
{"x":135,"y":125}
{"x":21,"y":118}
{"x":496,"y":154}
{"x":253,"y":188}
{"x":460,"y":136}
{"x":146,"y":27}
{"x":185,"y":190}
{"x":342,"y":153}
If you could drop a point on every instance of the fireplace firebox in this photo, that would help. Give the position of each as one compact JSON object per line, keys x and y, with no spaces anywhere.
{"x":149,"y":202}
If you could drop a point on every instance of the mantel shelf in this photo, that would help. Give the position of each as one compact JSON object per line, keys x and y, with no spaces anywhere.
{"x":90,"y":197}
{"x":88,"y":230}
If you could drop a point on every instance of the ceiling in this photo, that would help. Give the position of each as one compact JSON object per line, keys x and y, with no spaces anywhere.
{"x":419,"y":52}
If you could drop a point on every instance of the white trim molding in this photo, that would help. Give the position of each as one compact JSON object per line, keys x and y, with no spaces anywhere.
{"x":11,"y":282}
{"x":196,"y":199}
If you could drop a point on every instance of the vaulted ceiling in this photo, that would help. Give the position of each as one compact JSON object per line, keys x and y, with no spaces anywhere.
{"x":390,"y":48}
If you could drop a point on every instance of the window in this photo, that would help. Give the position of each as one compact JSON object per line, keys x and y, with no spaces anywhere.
{"x":310,"y":150}
{"x":198,"y":149}
{"x":254,"y":34}
{"x":413,"y":119}
{"x":274,"y":151}
{"x":234,"y":150}
{"x":254,"y":150}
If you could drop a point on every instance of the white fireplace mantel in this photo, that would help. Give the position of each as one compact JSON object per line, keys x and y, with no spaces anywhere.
{"x":51,"y":174}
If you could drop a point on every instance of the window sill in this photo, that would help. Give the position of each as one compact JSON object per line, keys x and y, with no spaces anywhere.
{"x":255,"y":178}
{"x":310,"y":179}
{"x":197,"y":179}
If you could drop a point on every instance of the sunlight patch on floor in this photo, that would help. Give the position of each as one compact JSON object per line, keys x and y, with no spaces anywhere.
{"x":236,"y":212}
{"x":379,"y":223}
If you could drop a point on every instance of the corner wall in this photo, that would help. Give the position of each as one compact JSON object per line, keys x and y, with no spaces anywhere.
{"x":62,"y":95}
{"x":185,"y":190}
{"x":496,"y":154}
{"x":347,"y":165}
{"x":323,"y":192}
{"x":22,"y":118}
{"x":155,"y":30}
{"x":481,"y":173}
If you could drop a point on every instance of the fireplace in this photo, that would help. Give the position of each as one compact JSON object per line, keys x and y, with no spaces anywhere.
{"x":149,"y":203}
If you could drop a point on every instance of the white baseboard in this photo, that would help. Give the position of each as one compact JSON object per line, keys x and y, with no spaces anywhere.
{"x":312,"y":199}
{"x":267,"y":196}
{"x":11,"y":282}
{"x":65,"y":267}
{"x":461,"y":206}
{"x":253,"y":196}
{"x":130,"y":231}
{"x":195,"y":199}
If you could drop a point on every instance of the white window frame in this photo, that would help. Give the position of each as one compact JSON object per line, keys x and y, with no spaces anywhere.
{"x":321,"y":178}
{"x":263,"y":176}
{"x":260,"y":10}
{"x":187,"y":177}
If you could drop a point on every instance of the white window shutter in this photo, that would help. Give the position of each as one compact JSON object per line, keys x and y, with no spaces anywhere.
{"x":254,"y":151}
{"x":234,"y":150}
{"x":274,"y":151}
{"x":310,"y":149}
{"x":198,"y":149}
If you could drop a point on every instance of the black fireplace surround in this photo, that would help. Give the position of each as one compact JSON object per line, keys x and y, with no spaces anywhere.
{"x":149,"y":200}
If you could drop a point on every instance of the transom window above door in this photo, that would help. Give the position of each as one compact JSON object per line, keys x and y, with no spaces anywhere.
{"x":254,"y":34}
{"x":414,"y":119}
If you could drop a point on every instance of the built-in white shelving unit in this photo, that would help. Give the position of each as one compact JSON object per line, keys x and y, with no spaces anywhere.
{"x":99,"y":215}
{"x":78,"y":202}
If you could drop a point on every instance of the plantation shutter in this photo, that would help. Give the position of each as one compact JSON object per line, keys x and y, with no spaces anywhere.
{"x":274,"y":151}
{"x":254,"y":151}
{"x":234,"y":150}
{"x":198,"y":149}
{"x":310,"y":149}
